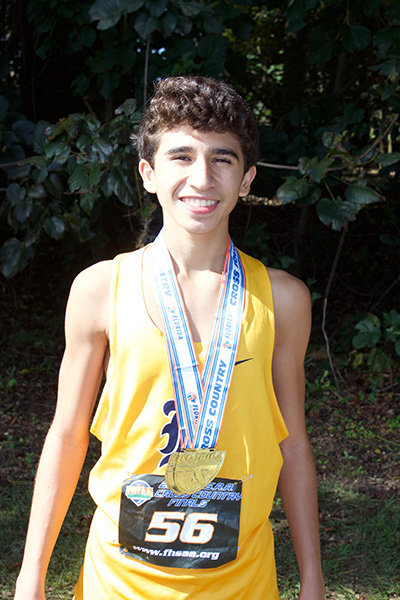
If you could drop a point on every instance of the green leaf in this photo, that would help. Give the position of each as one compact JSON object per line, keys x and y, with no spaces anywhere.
{"x":37,"y":192}
{"x":360,"y":194}
{"x":323,"y":54}
{"x":55,"y":147}
{"x":131,"y":6}
{"x":185,"y":51}
{"x":390,"y":240}
{"x":86,"y":36}
{"x":184,"y":26}
{"x":293,"y":189}
{"x":54,"y":227}
{"x":108,"y":82}
{"x":23,"y":211}
{"x":369,"y":332}
{"x":24,"y":130}
{"x":355,"y":37}
{"x":42,"y":51}
{"x":379,"y":361}
{"x":87,"y":201}
{"x":391,"y":333}
{"x":19,"y":171}
{"x":392,"y":319}
{"x":62,"y":158}
{"x":169,"y":21}
{"x":331,"y":139}
{"x":386,"y":37}
{"x":109,"y":12}
{"x":15,"y":193}
{"x":388,"y":159}
{"x":211,"y":24}
{"x":315,"y":169}
{"x":372,"y":8}
{"x":336,"y":213}
{"x":145,"y":24}
{"x":103,"y":148}
{"x":81,"y":228}
{"x":14,"y":257}
{"x":353,"y":113}
{"x":97,"y":63}
{"x":81,"y":84}
{"x":128,"y":108}
{"x":211,"y":45}
{"x":54,"y":186}
{"x":95,"y":174}
{"x":79,"y":178}
{"x":122,"y":188}
{"x":212,"y":49}
{"x":299,"y":115}
{"x":39,"y":136}
{"x":313,"y":195}
{"x":156,"y":7}
{"x":190,"y":9}
{"x":227,"y":10}
{"x":297,"y":148}
{"x":108,"y":183}
{"x":127,"y":58}
{"x":84,"y":142}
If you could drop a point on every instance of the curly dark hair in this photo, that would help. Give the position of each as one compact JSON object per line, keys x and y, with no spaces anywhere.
{"x":202,"y":103}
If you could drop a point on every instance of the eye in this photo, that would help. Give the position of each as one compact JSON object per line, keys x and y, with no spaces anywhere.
{"x":181,"y":157}
{"x":222,"y":159}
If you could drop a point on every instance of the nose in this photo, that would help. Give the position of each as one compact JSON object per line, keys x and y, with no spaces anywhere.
{"x":201,"y":175}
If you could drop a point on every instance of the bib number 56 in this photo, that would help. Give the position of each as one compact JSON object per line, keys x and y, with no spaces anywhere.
{"x":197,"y":528}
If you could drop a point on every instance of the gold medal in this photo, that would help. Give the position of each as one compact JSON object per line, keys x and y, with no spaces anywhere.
{"x":190,"y":471}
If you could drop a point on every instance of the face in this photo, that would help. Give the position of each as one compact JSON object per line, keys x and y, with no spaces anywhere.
{"x":198,"y":177}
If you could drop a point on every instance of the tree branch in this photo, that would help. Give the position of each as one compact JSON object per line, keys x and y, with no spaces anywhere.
{"x":379,"y":138}
{"x":326,"y":296}
{"x":146,"y":70}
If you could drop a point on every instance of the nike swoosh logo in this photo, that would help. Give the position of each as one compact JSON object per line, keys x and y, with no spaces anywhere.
{"x":239,"y":362}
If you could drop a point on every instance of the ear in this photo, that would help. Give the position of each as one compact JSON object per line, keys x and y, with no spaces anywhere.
{"x":147,"y":174}
{"x":246,"y":181}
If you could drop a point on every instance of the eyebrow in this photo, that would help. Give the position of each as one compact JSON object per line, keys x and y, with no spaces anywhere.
{"x":218,"y":151}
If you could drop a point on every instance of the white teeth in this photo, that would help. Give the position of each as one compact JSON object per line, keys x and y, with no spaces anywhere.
{"x":198,"y":202}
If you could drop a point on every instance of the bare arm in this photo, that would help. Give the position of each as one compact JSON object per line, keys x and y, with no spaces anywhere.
{"x":66,"y":444}
{"x":297,"y":483}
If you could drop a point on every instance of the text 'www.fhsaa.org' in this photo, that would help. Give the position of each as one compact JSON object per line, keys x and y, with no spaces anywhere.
{"x":178,"y":553}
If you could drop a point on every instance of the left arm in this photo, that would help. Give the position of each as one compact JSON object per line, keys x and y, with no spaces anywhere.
{"x":297,"y":482}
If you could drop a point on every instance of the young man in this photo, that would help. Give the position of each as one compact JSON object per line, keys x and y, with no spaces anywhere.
{"x":203,"y":407}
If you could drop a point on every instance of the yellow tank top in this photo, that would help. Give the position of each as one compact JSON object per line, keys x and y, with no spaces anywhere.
{"x":135,"y":423}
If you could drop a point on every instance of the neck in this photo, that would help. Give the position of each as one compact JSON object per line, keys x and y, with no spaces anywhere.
{"x":192,"y":253}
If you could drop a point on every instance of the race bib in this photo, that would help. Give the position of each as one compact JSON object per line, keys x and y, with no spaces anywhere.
{"x":187,"y":531}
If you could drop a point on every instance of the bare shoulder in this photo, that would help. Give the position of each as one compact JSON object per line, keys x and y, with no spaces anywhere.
{"x":89,"y":298}
{"x":288,"y":289}
{"x":95,"y":280}
{"x":292,"y":303}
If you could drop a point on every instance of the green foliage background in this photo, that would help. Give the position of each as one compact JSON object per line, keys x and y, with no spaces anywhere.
{"x":322,"y":77}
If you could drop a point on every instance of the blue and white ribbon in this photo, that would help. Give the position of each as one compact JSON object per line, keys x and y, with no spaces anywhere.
{"x":200,"y":399}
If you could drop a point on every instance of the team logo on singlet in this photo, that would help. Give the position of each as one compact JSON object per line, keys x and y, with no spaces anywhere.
{"x":170,"y":429}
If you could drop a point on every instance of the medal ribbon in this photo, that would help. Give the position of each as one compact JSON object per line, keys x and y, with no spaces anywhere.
{"x":200,"y":399}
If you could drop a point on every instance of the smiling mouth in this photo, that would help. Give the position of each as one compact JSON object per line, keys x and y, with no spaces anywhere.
{"x":198,"y":202}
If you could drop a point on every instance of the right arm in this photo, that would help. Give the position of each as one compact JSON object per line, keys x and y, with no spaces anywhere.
{"x":64,"y":451}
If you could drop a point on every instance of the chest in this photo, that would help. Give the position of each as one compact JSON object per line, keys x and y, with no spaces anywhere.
{"x":199,"y":296}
